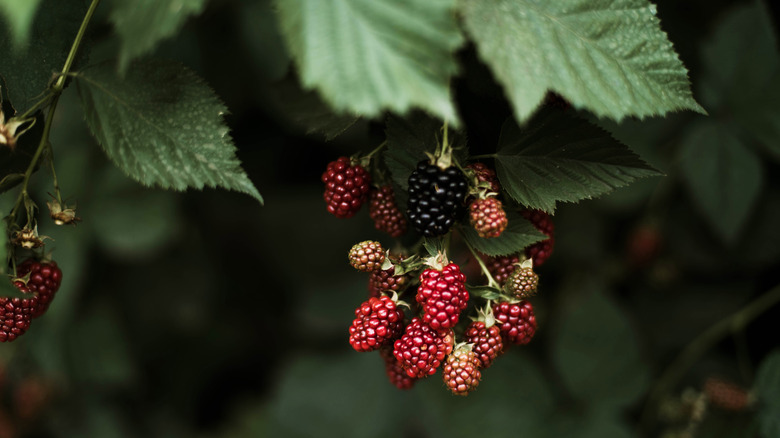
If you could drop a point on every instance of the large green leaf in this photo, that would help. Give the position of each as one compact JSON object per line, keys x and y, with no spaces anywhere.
{"x":518,"y":234}
{"x":28,"y":69}
{"x":597,"y":351}
{"x":558,"y":157}
{"x":513,"y":399}
{"x":162,"y":125}
{"x":408,"y":140}
{"x":767,"y":388}
{"x":724,"y":177}
{"x":338,"y":395}
{"x":742,"y":75}
{"x":306,"y":110}
{"x":261,"y":34}
{"x":609,"y":56}
{"x":19,"y":15}
{"x":365,"y":56}
{"x":142,"y":24}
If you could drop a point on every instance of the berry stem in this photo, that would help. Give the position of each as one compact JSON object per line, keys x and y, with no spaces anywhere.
{"x":734,"y":323}
{"x":378,"y":148}
{"x":54,"y":93}
{"x":491,"y":281}
{"x":38,"y":105}
{"x":56,"y":184}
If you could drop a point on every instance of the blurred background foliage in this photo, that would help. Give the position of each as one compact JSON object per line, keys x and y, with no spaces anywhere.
{"x":204,"y":314}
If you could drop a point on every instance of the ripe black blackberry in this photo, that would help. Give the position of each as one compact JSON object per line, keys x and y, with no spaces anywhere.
{"x":436,"y":198}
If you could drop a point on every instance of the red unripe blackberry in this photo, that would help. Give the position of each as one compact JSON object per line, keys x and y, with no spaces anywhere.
{"x":385,"y":213}
{"x":421,"y":349}
{"x":385,"y":280}
{"x":726,"y":395}
{"x":516,"y":320}
{"x":461,"y":371}
{"x":522,"y":283}
{"x":367,"y":256}
{"x":443,"y":296}
{"x":501,"y":267}
{"x":486,"y":175}
{"x":395,"y":372}
{"x":377,"y":322}
{"x":436,"y":198}
{"x":346,"y":187}
{"x":44,"y":280}
{"x":644,"y":245}
{"x":488,"y":217}
{"x":540,"y":251}
{"x":15,"y":316}
{"x":487,"y":342}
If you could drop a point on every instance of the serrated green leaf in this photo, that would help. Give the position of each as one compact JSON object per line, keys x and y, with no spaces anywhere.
{"x":142,"y":24}
{"x":365,"y":56}
{"x":724,"y":177}
{"x":742,"y":75}
{"x":484,"y":292}
{"x":610,"y":57}
{"x":19,"y":14}
{"x":518,"y":234}
{"x":307,"y":110}
{"x":263,"y":38}
{"x":27,"y":70}
{"x":408,"y":140}
{"x":767,"y":388}
{"x":596,"y":350}
{"x":559,"y":157}
{"x":162,"y":125}
{"x":360,"y":404}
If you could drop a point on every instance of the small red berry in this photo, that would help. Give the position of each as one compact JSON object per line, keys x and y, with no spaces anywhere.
{"x":385,"y":213}
{"x":421,"y":349}
{"x":487,"y":343}
{"x":367,"y":256}
{"x":461,"y":371}
{"x":346,"y":187}
{"x":522,"y":283}
{"x":385,"y":281}
{"x":726,"y":395}
{"x":486,"y":175}
{"x":539,"y":252}
{"x":501,"y":267}
{"x":395,"y":372}
{"x":443,"y":296}
{"x":44,"y":280}
{"x":488,"y":217}
{"x":378,"y":322}
{"x":516,"y":320}
{"x":15,"y":316}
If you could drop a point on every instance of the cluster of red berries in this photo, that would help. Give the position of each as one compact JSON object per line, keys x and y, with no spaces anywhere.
{"x":426,"y":332}
{"x":40,"y":280}
{"x":414,"y":347}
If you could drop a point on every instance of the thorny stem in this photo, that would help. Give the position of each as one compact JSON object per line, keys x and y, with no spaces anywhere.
{"x":696,"y":348}
{"x":54,"y":94}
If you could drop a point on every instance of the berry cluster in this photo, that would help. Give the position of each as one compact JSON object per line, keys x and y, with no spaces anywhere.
{"x":417,"y":297}
{"x":39,"y":280}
